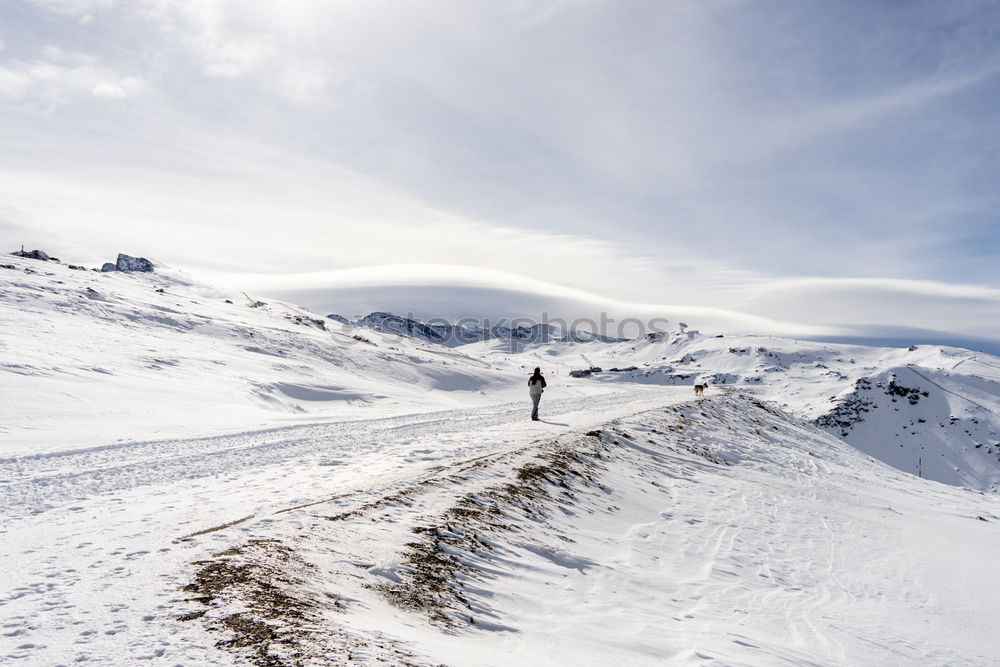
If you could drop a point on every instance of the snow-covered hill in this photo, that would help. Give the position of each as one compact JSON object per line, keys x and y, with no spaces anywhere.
{"x":89,"y":358}
{"x":924,"y":409}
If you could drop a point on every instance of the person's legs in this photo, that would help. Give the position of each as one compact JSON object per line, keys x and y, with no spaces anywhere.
{"x":534,"y":408}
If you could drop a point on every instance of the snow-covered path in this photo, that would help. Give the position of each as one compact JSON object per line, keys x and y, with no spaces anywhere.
{"x":91,"y":564}
{"x":35,"y":483}
{"x":710,"y":532}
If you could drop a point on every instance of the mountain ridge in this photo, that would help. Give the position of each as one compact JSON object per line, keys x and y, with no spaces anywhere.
{"x":459,"y":333}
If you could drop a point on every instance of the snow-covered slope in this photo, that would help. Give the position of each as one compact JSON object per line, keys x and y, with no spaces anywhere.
{"x":719,"y":532}
{"x":927,"y":409}
{"x":95,"y":550}
{"x":190,"y":476}
{"x":90,"y":358}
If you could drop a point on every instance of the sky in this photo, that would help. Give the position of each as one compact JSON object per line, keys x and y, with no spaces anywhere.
{"x":775,"y":166}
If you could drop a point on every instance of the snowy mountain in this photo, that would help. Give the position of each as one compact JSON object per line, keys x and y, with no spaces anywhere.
{"x":195,"y":476}
{"x":464,"y":333}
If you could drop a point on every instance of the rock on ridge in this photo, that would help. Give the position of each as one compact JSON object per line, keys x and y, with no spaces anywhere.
{"x":34,"y":254}
{"x":128,"y":263}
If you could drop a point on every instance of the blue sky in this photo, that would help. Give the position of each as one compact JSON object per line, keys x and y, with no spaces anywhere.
{"x":790,"y":165}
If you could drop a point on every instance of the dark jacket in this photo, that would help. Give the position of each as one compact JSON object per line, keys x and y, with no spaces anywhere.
{"x":536,"y":383}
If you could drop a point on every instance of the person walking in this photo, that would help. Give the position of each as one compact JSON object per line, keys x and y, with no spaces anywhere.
{"x":536,"y":385}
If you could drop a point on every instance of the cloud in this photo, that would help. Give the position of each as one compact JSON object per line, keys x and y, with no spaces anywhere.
{"x":776,"y":134}
{"x":304,"y":84}
{"x":934,"y":312}
{"x":929,"y":288}
{"x":61,"y":75}
{"x":71,"y":58}
{"x":109,"y":90}
{"x":335,"y":214}
{"x":860,"y":305}
{"x":82,"y":11}
{"x":233,"y":56}
{"x":14,"y":83}
{"x":494,"y":292}
{"x":210,"y":30}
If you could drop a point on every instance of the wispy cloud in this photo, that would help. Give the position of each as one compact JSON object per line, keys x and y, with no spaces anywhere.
{"x":55,"y":83}
{"x":804,"y":307}
{"x":329,"y":287}
{"x":226,"y":48}
{"x":57,"y":76}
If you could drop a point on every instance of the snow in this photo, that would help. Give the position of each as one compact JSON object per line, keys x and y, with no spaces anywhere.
{"x":92,"y":534}
{"x":953,"y":433}
{"x":189,"y":481}
{"x":114,"y":356}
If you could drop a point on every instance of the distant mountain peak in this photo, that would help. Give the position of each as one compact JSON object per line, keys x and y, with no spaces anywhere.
{"x":455,"y":334}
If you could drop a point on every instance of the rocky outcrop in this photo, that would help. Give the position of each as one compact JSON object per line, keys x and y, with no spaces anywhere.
{"x":395,"y":324}
{"x":128,"y":263}
{"x":34,"y":254}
